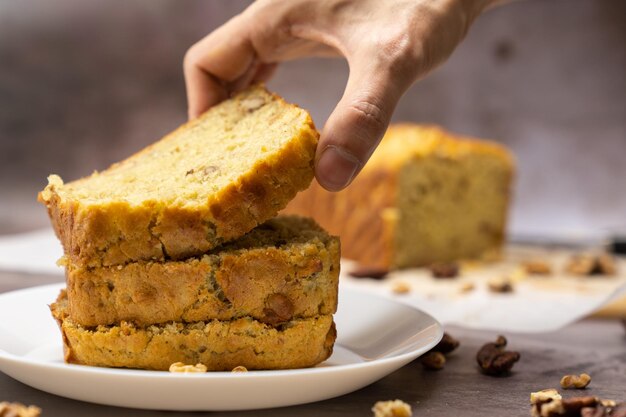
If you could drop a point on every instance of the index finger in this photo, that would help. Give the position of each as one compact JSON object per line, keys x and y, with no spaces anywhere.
{"x":216,"y":60}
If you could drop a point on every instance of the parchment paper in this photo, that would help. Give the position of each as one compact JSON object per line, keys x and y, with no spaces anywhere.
{"x":537,"y":303}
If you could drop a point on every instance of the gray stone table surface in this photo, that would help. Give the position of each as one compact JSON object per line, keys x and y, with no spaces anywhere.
{"x":597,"y":347}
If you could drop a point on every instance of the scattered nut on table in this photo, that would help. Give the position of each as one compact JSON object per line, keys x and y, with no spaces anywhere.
{"x":181,"y":367}
{"x":401,"y":287}
{"x":467,"y":287}
{"x":367,"y":272}
{"x":8,"y":409}
{"x":240,"y":369}
{"x":444,"y":270}
{"x":540,"y":398}
{"x":447,"y":344}
{"x":549,"y":403}
{"x":494,"y":360}
{"x":433,"y":361}
{"x":607,"y":264}
{"x":516,"y":275}
{"x":544,"y":396}
{"x":575,"y":381}
{"x":567,"y":407}
{"x":500,"y":285}
{"x":537,"y":267}
{"x":395,"y":408}
{"x":587,"y":264}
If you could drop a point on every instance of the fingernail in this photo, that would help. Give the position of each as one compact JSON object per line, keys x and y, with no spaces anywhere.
{"x":336,"y":168}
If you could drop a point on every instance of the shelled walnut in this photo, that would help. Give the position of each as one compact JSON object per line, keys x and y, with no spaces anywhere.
{"x":447,"y":344}
{"x":586,"y":264}
{"x":467,"y":287}
{"x":575,"y":381}
{"x":395,"y":408}
{"x":549,"y":403}
{"x":537,"y":267}
{"x":500,"y":285}
{"x":494,"y":360}
{"x":181,"y":367}
{"x":445,"y":270}
{"x":366,"y":272}
{"x":544,"y":396}
{"x":433,"y":361}
{"x":401,"y":287}
{"x":8,"y":409}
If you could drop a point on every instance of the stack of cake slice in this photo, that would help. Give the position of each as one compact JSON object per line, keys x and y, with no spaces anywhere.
{"x":173,"y":255}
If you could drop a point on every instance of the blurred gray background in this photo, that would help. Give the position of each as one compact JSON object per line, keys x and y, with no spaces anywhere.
{"x":85,"y":83}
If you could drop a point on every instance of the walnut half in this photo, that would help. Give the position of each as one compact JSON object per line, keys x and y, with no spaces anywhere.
{"x":181,"y":367}
{"x":433,"y":361}
{"x":500,"y":285}
{"x":537,"y":267}
{"x":395,"y":408}
{"x":8,"y":409}
{"x":586,"y":264}
{"x":493,"y":359}
{"x":549,"y":403}
{"x":575,"y":381}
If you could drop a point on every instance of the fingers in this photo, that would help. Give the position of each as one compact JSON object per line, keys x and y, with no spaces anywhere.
{"x":203,"y":91}
{"x":264,"y":72}
{"x":222,"y":57}
{"x":357,"y":125}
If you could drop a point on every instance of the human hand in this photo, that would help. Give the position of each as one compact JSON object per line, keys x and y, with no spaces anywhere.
{"x":388,"y":45}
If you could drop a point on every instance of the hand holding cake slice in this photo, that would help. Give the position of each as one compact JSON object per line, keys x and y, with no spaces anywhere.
{"x":173,"y":255}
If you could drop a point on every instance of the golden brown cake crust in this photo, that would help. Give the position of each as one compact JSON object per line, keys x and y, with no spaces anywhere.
{"x":367,"y":215}
{"x":286,"y":268}
{"x":118,"y":232}
{"x":220,"y":345}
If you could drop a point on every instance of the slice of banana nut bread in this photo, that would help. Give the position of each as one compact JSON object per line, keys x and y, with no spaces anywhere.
{"x":219,"y":345}
{"x":285,"y":268}
{"x":210,"y":181}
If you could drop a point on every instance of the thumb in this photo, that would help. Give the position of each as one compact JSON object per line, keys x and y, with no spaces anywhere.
{"x":357,"y":125}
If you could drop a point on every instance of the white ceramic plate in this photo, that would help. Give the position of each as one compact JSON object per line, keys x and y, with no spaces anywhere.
{"x":376,"y":336}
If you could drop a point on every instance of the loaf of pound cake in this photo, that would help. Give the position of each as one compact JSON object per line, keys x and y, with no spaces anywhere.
{"x":426,"y":196}
{"x":208,"y":182}
{"x":220,"y":345}
{"x":287,"y":268}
